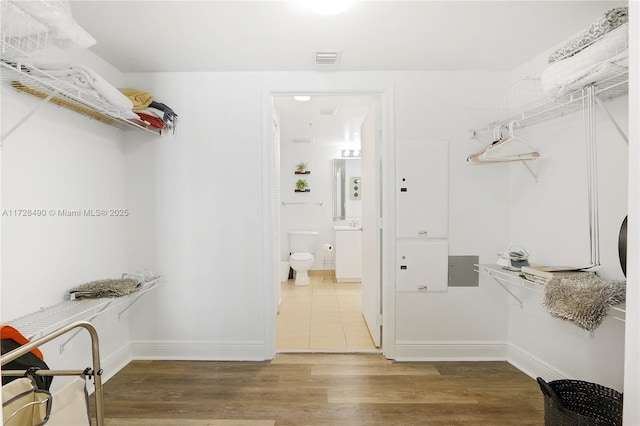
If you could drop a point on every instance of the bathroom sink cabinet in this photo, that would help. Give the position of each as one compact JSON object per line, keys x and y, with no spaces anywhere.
{"x":348,"y":252}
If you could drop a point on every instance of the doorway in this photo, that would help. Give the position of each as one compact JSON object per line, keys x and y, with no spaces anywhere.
{"x":327,"y":315}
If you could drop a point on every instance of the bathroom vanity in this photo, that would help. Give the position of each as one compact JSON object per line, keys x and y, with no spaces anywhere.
{"x":348,"y":253}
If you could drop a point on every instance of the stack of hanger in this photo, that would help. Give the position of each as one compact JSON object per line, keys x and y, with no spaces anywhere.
{"x":503,"y":149}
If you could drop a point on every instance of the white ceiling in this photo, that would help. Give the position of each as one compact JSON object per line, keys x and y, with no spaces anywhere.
{"x":232,"y":35}
{"x":311,"y":119}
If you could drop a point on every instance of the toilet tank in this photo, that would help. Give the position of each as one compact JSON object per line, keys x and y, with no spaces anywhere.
{"x":302,"y":241}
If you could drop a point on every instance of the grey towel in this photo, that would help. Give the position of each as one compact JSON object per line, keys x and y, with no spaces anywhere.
{"x":103,"y":288}
{"x":608,"y":22}
{"x":582,"y":298}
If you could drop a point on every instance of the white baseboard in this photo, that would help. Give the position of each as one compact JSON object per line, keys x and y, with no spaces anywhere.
{"x":532,"y":365}
{"x":451,"y":351}
{"x":197,"y":350}
{"x":116,"y":362}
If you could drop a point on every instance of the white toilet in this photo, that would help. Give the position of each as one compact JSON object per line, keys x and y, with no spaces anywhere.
{"x":302,"y":246}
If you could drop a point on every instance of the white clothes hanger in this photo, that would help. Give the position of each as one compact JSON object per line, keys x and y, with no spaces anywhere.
{"x":511,"y":148}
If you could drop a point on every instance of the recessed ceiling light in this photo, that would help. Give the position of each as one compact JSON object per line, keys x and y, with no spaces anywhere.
{"x":302,"y":98}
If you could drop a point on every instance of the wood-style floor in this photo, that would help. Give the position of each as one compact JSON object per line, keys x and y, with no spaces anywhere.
{"x":321,"y":389}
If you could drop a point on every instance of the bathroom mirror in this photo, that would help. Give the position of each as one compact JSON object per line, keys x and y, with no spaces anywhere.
{"x":347,"y":188}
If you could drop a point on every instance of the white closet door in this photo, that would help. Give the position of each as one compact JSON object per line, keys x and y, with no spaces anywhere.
{"x":422,"y":189}
{"x":422,"y":266}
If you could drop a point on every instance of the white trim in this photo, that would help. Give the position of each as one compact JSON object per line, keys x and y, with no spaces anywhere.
{"x":387,"y":96}
{"x":532,"y":365}
{"x":451,"y":351}
{"x":268,"y":284}
{"x":388,"y":148}
{"x":116,"y":362}
{"x":198,"y":350}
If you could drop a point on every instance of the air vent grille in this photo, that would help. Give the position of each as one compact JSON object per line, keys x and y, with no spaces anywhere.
{"x":327,"y":57}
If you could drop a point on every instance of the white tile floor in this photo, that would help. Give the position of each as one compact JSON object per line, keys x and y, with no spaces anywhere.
{"x":324,"y":316}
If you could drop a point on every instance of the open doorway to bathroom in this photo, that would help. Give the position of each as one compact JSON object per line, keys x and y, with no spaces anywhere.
{"x":326,"y":180}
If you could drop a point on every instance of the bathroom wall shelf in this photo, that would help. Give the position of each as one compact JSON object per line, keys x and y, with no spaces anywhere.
{"x":510,"y":278}
{"x":301,"y":190}
{"x":46,"y":320}
{"x":306,"y":172}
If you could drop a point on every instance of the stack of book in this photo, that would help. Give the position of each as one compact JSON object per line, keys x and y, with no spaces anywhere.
{"x":542,"y":274}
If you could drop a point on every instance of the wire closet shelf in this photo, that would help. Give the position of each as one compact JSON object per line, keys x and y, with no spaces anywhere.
{"x":23,"y":42}
{"x":533,"y":99}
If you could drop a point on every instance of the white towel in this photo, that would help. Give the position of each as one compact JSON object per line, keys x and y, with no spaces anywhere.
{"x":87,"y":79}
{"x":605,"y":58}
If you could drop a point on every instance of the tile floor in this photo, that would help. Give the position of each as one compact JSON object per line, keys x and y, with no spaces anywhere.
{"x":324,"y":316}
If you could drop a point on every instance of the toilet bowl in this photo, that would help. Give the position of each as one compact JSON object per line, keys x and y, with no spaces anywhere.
{"x":302,"y":246}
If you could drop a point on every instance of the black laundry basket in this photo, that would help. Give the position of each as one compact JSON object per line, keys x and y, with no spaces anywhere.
{"x":579,"y":403}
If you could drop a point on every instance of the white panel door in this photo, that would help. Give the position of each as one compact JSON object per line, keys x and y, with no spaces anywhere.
{"x":422,"y":266}
{"x":422,"y":170}
{"x":371,"y":290}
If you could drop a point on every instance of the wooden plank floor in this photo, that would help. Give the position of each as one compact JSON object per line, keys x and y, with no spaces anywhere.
{"x":321,"y":389}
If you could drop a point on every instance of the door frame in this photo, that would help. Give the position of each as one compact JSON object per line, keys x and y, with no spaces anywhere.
{"x":269,"y":271}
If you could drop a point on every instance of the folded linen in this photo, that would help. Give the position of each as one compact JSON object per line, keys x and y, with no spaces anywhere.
{"x":168,"y":115}
{"x":151,"y":119}
{"x":85,"y":78}
{"x":611,"y":20}
{"x":139,"y":98}
{"x":605,"y":58}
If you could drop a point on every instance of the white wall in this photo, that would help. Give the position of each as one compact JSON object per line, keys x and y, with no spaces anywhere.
{"x":198,"y":218}
{"x":550,"y":219}
{"x":197,"y":215}
{"x":330,"y":134}
{"x":208,"y":213}
{"x":632,"y":331}
{"x":61,"y":160}
{"x":311,"y":217}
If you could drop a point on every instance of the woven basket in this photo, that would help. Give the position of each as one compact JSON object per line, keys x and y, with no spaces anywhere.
{"x":579,"y":403}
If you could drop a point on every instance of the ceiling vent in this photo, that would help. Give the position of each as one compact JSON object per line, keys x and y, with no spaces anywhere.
{"x":326,"y":57}
{"x":328,"y":111}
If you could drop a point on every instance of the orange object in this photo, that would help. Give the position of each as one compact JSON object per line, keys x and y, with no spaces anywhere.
{"x":8,"y":332}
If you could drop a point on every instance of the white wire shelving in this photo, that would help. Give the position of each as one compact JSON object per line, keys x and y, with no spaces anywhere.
{"x":24,"y":39}
{"x":526,"y":102}
{"x":507,"y":279}
{"x":46,"y":320}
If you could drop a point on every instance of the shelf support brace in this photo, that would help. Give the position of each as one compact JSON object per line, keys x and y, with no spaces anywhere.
{"x":612,"y":119}
{"x":535,"y":176}
{"x":507,"y":289}
{"x":6,"y":134}
{"x":78,"y":331}
{"x":133,"y":301}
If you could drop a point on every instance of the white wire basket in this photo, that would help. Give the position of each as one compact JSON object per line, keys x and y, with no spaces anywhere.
{"x":22,"y":35}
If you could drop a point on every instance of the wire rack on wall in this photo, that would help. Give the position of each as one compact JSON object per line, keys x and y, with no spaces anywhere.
{"x":23,"y":41}
{"x":22,"y":35}
{"x":27,"y":79}
{"x":525,"y":103}
{"x":560,"y":88}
